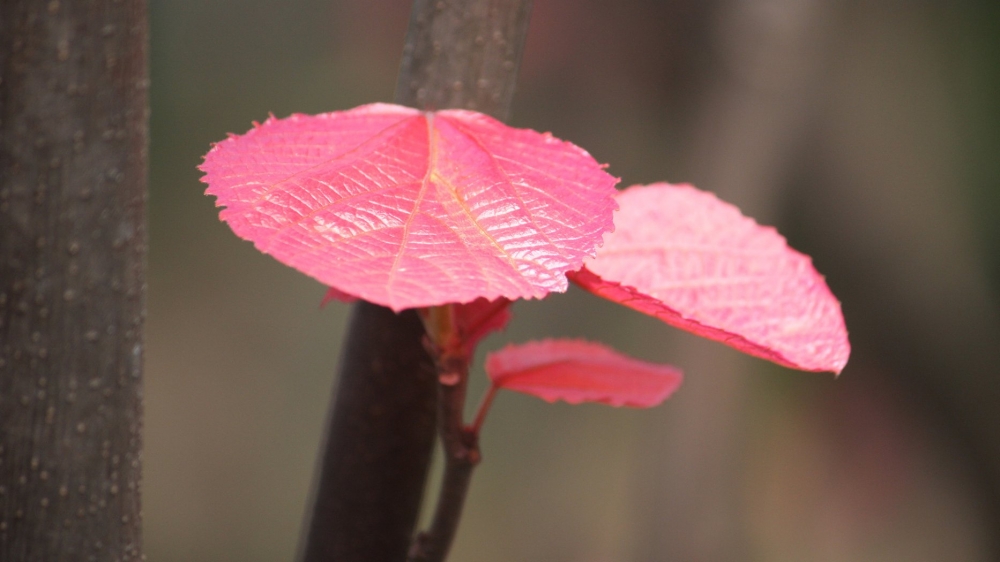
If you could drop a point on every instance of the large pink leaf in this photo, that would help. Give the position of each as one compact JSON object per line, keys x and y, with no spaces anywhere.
{"x":407,"y":209}
{"x":693,"y":261}
{"x":579,"y":371}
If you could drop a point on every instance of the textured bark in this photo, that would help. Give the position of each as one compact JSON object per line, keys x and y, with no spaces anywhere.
{"x":73,"y":105}
{"x":459,"y":53}
{"x":463,"y":54}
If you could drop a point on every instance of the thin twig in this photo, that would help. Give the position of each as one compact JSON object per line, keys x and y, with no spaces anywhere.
{"x":461,"y":445}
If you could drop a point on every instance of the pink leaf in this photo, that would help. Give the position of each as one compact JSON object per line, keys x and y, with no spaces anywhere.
{"x":480,"y":318}
{"x":578,"y":371}
{"x":336,"y":295}
{"x":408,"y":209}
{"x":695,"y":262}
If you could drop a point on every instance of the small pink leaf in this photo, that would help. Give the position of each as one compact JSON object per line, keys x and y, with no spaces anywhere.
{"x":579,"y":371}
{"x":408,"y":209}
{"x":695,"y":262}
{"x":336,"y":295}
{"x":480,"y":318}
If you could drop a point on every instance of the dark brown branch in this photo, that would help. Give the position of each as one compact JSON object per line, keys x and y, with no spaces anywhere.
{"x":73,"y":137}
{"x":457,"y":54}
{"x":463,"y":54}
{"x":379,"y":443}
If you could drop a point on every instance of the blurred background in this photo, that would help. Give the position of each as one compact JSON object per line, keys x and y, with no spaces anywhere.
{"x":867,"y":131}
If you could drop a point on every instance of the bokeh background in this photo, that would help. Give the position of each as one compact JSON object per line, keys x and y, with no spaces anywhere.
{"x":868,"y":131}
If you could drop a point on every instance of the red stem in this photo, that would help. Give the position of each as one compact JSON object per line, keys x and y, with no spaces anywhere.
{"x":484,"y":408}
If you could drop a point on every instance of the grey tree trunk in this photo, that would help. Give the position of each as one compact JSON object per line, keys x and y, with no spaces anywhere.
{"x":73,"y":152}
{"x":458,"y":53}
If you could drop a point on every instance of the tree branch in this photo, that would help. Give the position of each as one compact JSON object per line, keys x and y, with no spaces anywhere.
{"x":73,"y":153}
{"x":379,"y":444}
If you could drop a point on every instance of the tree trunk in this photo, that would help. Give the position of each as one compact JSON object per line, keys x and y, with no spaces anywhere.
{"x":73,"y":138}
{"x":458,"y":53}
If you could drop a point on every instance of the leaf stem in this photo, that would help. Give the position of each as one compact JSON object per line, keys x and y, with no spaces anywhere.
{"x":484,"y":408}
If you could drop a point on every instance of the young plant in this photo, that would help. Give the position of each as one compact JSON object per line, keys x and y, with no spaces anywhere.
{"x":455,"y":214}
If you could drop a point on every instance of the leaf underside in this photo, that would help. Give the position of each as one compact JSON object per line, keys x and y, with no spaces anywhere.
{"x":578,"y":371}
{"x":408,"y":209}
{"x":695,"y":262}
